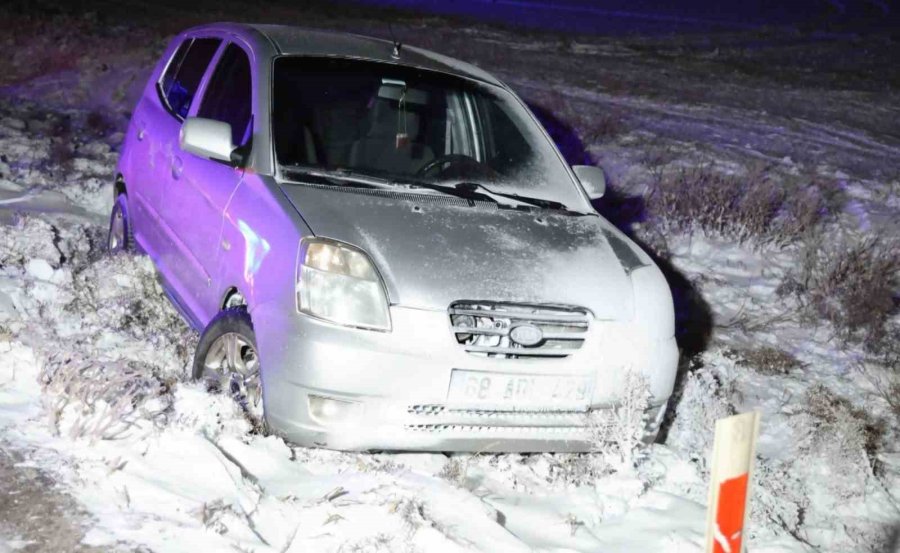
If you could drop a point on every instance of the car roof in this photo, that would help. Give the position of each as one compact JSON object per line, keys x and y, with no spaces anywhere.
{"x":302,"y":41}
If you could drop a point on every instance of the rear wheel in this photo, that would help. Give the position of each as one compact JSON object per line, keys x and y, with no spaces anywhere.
{"x":226,"y":360}
{"x":121,"y":235}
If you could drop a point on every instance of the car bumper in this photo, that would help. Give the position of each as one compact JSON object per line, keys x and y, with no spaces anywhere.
{"x":342,"y":388}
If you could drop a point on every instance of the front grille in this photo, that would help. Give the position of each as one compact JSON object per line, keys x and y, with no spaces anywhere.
{"x":481,"y":429}
{"x":487,"y":328}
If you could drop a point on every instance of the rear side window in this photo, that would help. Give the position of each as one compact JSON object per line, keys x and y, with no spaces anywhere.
{"x":182,"y":77}
{"x":228,"y":95}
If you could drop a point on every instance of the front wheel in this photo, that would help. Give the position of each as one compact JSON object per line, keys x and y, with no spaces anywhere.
{"x":121,"y":235}
{"x":226,"y":360}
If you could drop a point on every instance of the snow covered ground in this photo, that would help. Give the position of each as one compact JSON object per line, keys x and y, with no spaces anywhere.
{"x":97,"y":408}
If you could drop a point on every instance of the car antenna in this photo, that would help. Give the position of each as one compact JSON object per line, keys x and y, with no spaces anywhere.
{"x":397,"y":44}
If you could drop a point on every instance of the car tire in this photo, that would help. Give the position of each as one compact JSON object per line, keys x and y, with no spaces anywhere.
{"x":227,"y":360}
{"x":121,"y":234}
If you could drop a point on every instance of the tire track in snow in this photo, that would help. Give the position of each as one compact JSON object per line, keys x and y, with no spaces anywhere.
{"x":734,"y":129}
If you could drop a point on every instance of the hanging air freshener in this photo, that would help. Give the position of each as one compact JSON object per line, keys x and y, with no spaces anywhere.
{"x":402,"y":139}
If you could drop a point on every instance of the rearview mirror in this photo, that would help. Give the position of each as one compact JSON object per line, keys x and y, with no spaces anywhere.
{"x":206,"y":138}
{"x":592,"y":179}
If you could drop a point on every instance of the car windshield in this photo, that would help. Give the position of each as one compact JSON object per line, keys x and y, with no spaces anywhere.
{"x":408,"y":125}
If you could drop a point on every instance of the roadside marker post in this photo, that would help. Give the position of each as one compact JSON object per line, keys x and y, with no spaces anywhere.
{"x":734,"y":449}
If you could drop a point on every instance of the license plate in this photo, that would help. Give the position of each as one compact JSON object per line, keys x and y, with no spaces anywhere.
{"x":480,"y":388}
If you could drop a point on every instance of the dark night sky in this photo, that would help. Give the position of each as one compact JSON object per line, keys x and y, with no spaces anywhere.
{"x":613,"y":16}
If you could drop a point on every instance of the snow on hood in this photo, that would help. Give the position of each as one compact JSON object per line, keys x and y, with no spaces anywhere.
{"x":433,"y":250}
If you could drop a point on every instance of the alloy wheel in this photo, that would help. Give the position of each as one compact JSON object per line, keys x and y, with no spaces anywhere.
{"x":232,"y":366}
{"x":117,"y":232}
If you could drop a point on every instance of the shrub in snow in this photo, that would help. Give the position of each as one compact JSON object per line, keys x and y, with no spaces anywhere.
{"x":124,"y":292}
{"x":455,"y":470}
{"x":412,"y":513}
{"x":768,"y":360}
{"x":576,"y":469}
{"x":705,"y":398}
{"x":823,"y":488}
{"x":851,"y":283}
{"x":106,"y":399}
{"x":882,"y":367}
{"x":26,"y":239}
{"x":100,"y":382}
{"x":847,"y":437}
{"x":617,"y":434}
{"x":779,"y":499}
{"x":758,"y":207}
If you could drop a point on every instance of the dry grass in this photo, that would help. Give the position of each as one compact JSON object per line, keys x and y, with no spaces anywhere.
{"x":102,"y":400}
{"x":844,"y":428}
{"x":882,"y":367}
{"x":760,"y":207}
{"x":852,"y":284}
{"x":767,"y":360}
{"x":618,"y":434}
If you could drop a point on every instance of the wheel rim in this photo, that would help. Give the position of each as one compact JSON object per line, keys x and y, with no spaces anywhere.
{"x":232,"y":366}
{"x":117,"y":231}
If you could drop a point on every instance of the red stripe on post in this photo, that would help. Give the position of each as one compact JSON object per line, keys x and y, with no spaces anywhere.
{"x":730,"y":515}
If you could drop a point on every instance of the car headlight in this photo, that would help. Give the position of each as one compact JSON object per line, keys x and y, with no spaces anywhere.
{"x":338,"y":283}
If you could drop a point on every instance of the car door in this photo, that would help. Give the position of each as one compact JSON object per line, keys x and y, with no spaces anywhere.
{"x":140,"y":151}
{"x":199,"y":191}
{"x":158,"y":128}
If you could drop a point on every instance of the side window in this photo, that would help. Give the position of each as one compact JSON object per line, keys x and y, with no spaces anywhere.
{"x":182,"y":77}
{"x":228,"y":95}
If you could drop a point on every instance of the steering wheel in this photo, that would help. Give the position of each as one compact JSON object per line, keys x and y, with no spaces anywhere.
{"x":445,"y":161}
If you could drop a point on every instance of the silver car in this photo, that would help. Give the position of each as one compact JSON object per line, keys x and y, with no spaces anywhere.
{"x":382,"y":247}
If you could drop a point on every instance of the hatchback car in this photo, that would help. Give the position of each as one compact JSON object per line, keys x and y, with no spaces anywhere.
{"x":382,"y":247}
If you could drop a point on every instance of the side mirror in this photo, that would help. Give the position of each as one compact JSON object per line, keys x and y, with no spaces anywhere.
{"x":206,"y":138}
{"x":593,"y":180}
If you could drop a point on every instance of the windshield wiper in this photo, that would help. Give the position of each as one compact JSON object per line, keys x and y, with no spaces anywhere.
{"x":343,"y":176}
{"x":537,"y":202}
{"x":347,"y":176}
{"x":465,"y":190}
{"x":462,"y":193}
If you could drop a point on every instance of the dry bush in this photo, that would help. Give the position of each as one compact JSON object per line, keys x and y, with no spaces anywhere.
{"x":716,"y":203}
{"x":105,"y":399}
{"x":851,"y":284}
{"x":577,"y":469}
{"x":413,"y":514}
{"x":759,"y":207}
{"x":705,"y":398}
{"x":768,"y":360}
{"x":780,"y":498}
{"x":882,"y":367}
{"x":618,"y":433}
{"x":455,"y":471}
{"x":839,"y":429}
{"x":807,"y":204}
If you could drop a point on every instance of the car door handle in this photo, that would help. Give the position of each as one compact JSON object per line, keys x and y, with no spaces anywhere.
{"x":177,"y":167}
{"x":142,"y":131}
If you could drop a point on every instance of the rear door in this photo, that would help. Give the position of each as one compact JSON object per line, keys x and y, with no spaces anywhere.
{"x":157,"y":131}
{"x":141,"y":149}
{"x":200,"y":191}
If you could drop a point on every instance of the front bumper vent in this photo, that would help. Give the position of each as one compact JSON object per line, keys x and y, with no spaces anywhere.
{"x":514,"y":330}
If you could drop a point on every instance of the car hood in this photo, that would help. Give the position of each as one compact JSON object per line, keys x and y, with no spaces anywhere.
{"x":433,"y":250}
